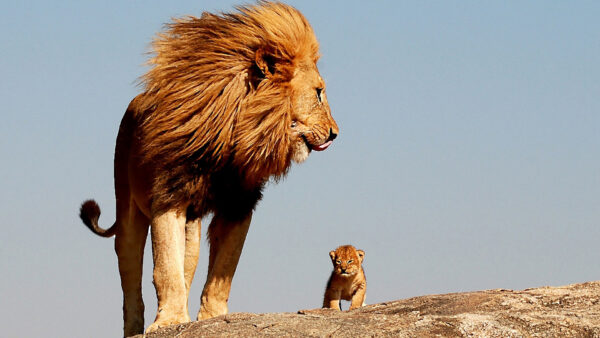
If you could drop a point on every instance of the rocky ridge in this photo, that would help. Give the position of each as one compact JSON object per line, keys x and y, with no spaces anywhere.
{"x":567,"y":311}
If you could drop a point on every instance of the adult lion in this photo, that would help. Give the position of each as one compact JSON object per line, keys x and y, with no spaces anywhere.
{"x":230,"y":101}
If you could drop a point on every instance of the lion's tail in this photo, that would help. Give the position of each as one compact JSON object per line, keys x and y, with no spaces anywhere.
{"x":89,"y":214}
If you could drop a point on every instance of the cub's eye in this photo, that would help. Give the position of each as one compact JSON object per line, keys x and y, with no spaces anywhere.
{"x":319,"y":94}
{"x":338,"y":262}
{"x":350,"y":261}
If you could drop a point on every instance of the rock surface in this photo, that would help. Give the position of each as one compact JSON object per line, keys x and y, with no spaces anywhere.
{"x":568,"y":311}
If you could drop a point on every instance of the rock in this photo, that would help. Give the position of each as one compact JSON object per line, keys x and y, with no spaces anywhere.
{"x":568,"y":311}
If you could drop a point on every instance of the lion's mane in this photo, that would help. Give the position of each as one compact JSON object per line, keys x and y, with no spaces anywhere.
{"x":208,"y":109}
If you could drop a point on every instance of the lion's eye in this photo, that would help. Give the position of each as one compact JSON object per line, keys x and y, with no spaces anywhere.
{"x":338,"y":262}
{"x":350,"y":261}
{"x":319,"y":96}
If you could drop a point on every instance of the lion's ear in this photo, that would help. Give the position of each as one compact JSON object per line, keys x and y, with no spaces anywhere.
{"x":361,"y":255}
{"x":265,"y":62}
{"x":332,"y":255}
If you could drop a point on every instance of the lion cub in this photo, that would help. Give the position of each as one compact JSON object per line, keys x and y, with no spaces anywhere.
{"x":347,"y":280}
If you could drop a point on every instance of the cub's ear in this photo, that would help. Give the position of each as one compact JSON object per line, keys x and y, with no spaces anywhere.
{"x":361,"y":255}
{"x":332,"y":255}
{"x":265,"y":62}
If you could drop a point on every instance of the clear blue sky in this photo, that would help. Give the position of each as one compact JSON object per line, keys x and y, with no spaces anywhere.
{"x":469,"y":155}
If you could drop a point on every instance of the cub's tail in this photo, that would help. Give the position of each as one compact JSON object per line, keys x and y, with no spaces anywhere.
{"x":89,"y":214}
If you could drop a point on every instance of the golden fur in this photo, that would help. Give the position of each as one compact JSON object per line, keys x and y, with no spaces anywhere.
{"x":220,"y":93}
{"x":347,"y":281}
{"x":230,"y":101}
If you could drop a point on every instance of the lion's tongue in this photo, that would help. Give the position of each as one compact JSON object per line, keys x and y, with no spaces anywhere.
{"x":322,"y":146}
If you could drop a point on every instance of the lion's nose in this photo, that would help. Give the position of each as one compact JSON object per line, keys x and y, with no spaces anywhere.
{"x":332,"y":135}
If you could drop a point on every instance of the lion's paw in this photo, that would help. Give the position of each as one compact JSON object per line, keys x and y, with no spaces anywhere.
{"x":160,"y":323}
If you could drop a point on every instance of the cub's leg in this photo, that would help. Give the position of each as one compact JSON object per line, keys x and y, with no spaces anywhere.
{"x":129,"y":245}
{"x":168,"y":251}
{"x":192,"y":251}
{"x":358,"y":298}
{"x":332,"y":299}
{"x":226,"y":242}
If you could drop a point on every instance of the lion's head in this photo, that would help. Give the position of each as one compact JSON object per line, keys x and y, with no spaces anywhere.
{"x":312,"y":127}
{"x":346,"y":260}
{"x":236,"y":91}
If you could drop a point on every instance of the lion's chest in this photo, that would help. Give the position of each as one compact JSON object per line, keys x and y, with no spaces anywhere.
{"x":225,"y":194}
{"x":347,"y":286}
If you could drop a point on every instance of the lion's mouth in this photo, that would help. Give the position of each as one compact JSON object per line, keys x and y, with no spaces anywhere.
{"x":320,"y":147}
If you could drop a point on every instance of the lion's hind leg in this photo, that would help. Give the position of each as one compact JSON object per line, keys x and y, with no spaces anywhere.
{"x":129,"y":245}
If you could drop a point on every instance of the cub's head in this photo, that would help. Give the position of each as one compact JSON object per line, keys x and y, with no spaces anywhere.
{"x":346,"y":260}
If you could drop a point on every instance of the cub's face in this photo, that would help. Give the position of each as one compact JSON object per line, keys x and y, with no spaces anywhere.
{"x":346,"y":260}
{"x":313,"y":127}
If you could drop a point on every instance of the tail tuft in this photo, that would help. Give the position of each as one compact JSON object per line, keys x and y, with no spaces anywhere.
{"x":89,"y":214}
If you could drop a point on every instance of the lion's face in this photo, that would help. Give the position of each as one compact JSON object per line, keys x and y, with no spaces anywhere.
{"x":313,"y":127}
{"x":346,"y":260}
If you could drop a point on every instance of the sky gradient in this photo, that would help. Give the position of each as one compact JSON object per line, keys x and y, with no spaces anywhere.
{"x":468,"y":156}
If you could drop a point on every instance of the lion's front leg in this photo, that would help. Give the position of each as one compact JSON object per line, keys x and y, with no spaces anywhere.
{"x":168,"y":251}
{"x":358,"y":299}
{"x":332,"y":299}
{"x":226,"y":240}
